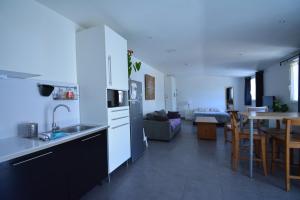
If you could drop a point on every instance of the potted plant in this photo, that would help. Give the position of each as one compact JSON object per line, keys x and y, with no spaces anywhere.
{"x":136,"y":66}
{"x":278,"y":107}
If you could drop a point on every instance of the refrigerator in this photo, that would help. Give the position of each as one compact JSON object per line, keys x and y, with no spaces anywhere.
{"x":136,"y":120}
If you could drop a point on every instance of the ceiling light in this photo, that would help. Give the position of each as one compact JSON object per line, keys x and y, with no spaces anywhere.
{"x":171,"y":50}
{"x":149,"y":37}
{"x":281,"y":21}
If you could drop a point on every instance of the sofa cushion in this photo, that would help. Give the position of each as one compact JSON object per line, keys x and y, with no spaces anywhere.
{"x":160,"y":115}
{"x":150,"y":116}
{"x":174,"y":123}
{"x":173,"y":115}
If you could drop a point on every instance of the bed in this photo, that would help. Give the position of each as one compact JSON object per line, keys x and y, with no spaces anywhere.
{"x":221,"y":117}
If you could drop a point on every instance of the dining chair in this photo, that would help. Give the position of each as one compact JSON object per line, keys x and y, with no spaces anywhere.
{"x":290,"y":142}
{"x":278,"y":139}
{"x":228,"y":128}
{"x":259,"y":139}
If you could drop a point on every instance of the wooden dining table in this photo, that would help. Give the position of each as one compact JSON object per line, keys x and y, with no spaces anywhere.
{"x":251,"y":116}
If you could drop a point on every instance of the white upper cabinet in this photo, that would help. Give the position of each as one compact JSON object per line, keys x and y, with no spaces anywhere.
{"x":116,"y":60}
{"x":101,"y":64}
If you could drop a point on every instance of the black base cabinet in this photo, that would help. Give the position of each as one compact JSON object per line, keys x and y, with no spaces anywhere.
{"x":90,"y":167}
{"x":36,"y":176}
{"x":66,"y":171}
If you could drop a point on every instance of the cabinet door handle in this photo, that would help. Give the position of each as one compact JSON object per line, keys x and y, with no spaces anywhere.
{"x":89,"y":138}
{"x":30,"y":159}
{"x":109,"y":65}
{"x":119,"y":110}
{"x":115,"y":127}
{"x":119,"y":118}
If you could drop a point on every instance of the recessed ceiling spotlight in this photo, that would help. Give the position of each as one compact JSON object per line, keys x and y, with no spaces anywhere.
{"x":281,"y":21}
{"x":186,"y":64}
{"x":149,"y":37}
{"x":171,"y":50}
{"x":241,"y":54}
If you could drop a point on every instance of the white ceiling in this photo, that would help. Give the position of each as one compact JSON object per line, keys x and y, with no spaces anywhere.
{"x":215,"y":37}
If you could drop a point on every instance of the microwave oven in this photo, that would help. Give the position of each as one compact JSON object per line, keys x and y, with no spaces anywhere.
{"x":117,"y":98}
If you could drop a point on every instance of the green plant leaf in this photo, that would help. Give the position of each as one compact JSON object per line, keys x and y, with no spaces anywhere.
{"x":135,"y":66}
{"x":129,"y":61}
{"x":129,"y":71}
{"x":138,"y":65}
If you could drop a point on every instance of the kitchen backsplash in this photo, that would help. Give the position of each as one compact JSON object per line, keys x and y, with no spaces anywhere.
{"x":20,"y":102}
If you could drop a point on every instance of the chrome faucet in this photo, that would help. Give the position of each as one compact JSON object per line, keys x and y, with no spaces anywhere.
{"x":54,"y":126}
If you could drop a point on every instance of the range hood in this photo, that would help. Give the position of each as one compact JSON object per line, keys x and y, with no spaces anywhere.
{"x":4,"y":74}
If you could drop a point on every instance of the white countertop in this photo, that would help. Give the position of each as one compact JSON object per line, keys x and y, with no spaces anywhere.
{"x":15,"y":147}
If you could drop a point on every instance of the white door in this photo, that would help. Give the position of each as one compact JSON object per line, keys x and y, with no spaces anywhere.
{"x":116,"y":60}
{"x":170,"y":93}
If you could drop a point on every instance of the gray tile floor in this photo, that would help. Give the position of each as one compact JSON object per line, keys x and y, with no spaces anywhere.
{"x":188,"y":169}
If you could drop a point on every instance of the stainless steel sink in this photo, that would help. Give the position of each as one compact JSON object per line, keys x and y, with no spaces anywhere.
{"x":76,"y":129}
{"x":64,"y":132}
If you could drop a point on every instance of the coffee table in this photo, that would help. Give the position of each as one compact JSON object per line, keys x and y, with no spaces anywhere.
{"x":206,"y":127}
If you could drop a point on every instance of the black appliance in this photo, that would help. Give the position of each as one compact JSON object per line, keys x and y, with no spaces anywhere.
{"x":136,"y":120}
{"x":117,"y":98}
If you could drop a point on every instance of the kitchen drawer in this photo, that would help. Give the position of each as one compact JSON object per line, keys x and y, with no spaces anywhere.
{"x":115,"y":113}
{"x":118,"y":121}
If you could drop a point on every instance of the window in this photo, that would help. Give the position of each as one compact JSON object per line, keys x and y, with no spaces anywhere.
{"x":253,"y":89}
{"x":294,"y":74}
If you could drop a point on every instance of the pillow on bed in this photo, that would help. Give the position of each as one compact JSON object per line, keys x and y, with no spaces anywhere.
{"x":201,"y":109}
{"x":214,"y":110}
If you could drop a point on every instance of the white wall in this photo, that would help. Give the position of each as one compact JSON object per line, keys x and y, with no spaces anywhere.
{"x":276,"y":83}
{"x":208,"y":91}
{"x":21,"y":102}
{"x":159,"y":102}
{"x":35,"y":39}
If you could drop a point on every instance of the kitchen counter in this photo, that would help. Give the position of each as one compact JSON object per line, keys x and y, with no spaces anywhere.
{"x":15,"y":147}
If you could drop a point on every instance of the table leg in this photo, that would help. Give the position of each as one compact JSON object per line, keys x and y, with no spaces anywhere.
{"x":251,"y":149}
{"x":242,"y":123}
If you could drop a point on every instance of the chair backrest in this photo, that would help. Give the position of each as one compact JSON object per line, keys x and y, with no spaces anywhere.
{"x":257,"y":109}
{"x":234,"y":126}
{"x":289,"y":124}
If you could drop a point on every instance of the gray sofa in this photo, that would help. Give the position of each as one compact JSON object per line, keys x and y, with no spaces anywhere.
{"x":158,"y":126}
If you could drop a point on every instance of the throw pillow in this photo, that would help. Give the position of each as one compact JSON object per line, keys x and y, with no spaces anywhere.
{"x":173,"y":115}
